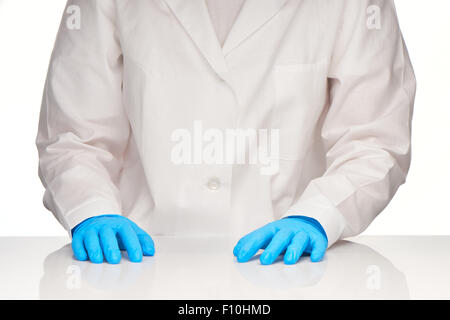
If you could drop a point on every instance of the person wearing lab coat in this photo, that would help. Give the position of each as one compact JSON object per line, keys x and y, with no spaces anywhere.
{"x":142,"y":97}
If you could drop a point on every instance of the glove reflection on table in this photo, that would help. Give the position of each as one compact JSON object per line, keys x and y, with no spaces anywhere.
{"x":104,"y":236}
{"x":294,"y":235}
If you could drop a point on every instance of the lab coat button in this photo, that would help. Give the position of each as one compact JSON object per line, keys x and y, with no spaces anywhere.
{"x":213,"y":184}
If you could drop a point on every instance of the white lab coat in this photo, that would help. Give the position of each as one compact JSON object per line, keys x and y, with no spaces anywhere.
{"x":333,"y":76}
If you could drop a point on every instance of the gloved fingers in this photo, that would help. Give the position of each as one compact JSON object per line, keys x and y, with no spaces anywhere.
{"x":92,"y":245}
{"x":242,"y":241}
{"x":238,"y":246}
{"x":248,"y":246}
{"x":120,"y":242}
{"x":265,"y":232}
{"x":108,"y":242}
{"x":295,"y":250}
{"x":78,"y":247}
{"x":278,"y":244}
{"x":319,"y":246}
{"x":147,"y":244}
{"x":136,"y":228}
{"x":130,"y":242}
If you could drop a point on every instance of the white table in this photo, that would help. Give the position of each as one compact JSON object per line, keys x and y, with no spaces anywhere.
{"x":368,"y":267}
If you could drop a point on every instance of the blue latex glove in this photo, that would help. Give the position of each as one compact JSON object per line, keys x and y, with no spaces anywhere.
{"x":295,"y":235}
{"x":105,"y":235}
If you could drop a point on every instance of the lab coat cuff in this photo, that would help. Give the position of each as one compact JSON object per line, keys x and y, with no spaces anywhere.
{"x":89,"y":210}
{"x":327,"y":215}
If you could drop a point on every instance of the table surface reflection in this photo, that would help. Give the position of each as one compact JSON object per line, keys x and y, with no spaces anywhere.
{"x":366,"y":267}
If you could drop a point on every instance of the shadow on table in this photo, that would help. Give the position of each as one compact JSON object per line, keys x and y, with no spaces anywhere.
{"x":349,"y":271}
{"x":66,"y":278}
{"x":199,"y":269}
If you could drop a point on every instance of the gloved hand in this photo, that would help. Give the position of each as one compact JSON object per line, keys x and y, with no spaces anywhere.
{"x":105,"y":235}
{"x":295,"y":235}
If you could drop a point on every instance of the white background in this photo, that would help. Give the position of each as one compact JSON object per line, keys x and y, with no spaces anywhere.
{"x":27,"y":33}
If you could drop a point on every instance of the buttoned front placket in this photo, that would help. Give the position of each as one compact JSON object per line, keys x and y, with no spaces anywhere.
{"x":215,"y":181}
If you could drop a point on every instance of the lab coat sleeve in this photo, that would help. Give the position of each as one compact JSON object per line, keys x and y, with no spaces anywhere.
{"x":83,"y":130}
{"x":367,"y":129}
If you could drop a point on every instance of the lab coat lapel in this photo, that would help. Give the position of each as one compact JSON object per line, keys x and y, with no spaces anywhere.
{"x":254,"y":14}
{"x":193,"y":15}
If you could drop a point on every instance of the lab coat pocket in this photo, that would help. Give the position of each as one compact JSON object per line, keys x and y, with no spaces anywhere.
{"x":300,"y":96}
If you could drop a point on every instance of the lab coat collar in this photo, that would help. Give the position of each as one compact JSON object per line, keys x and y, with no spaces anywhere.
{"x":193,"y":15}
{"x":253,"y":15}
